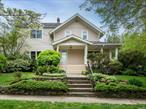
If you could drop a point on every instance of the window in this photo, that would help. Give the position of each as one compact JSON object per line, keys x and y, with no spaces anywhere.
{"x":36,"y":34}
{"x":34,"y":54}
{"x":85,"y":35}
{"x":67,"y":33}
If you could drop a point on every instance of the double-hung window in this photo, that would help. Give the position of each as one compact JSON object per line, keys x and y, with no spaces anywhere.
{"x":85,"y":35}
{"x":36,"y":34}
{"x":67,"y":33}
{"x":34,"y":54}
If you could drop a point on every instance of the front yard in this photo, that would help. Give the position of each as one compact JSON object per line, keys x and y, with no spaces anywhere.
{"x":5,"y":104}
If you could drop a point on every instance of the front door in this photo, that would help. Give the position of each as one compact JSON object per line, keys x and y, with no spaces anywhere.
{"x":64,"y":57}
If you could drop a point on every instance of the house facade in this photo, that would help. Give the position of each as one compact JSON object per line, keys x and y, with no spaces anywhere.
{"x":74,"y":39}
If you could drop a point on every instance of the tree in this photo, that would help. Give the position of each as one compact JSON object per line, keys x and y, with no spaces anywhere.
{"x":135,"y":42}
{"x":12,"y":29}
{"x":128,"y":14}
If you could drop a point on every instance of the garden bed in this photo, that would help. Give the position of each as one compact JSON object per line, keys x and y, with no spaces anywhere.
{"x":110,"y":86}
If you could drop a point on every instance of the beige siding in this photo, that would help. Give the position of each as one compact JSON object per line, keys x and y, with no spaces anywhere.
{"x":76,"y":29}
{"x":39,"y":44}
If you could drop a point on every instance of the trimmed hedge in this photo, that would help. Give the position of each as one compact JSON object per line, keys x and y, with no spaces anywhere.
{"x":32,"y":85}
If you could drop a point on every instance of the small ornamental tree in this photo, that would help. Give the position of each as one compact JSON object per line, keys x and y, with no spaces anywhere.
{"x":49,"y":58}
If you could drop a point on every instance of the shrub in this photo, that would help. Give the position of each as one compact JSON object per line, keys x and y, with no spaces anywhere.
{"x":40,"y":85}
{"x":41,"y":69}
{"x":114,"y":67}
{"x":134,"y":60}
{"x":17,"y":65}
{"x":129,"y":72}
{"x":49,"y":57}
{"x":135,"y":82}
{"x":53,"y":69}
{"x":118,"y":87}
{"x":3,"y":61}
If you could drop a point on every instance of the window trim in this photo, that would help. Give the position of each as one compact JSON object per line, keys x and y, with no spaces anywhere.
{"x":36,"y":53}
{"x":82,"y":34}
{"x":36,"y":34}
{"x":65,"y":35}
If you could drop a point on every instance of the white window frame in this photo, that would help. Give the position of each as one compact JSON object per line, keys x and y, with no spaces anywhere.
{"x":36,"y":34}
{"x":83,"y":34}
{"x":65,"y":32}
{"x":36,"y":54}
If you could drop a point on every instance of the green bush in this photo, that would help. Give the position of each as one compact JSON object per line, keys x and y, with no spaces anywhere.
{"x":41,"y":69}
{"x":118,"y":87}
{"x":40,"y":85}
{"x":135,"y":82}
{"x":103,"y":78}
{"x":134,"y":60}
{"x":17,"y":65}
{"x":114,"y":67}
{"x":3,"y":61}
{"x":129,"y":72}
{"x":49,"y":57}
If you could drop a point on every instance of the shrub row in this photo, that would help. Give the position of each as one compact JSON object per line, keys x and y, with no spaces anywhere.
{"x":32,"y":85}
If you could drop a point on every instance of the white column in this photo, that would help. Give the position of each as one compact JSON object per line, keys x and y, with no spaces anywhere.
{"x":116,"y":53}
{"x":85,"y":54}
{"x":110,"y":55}
{"x":57,"y":48}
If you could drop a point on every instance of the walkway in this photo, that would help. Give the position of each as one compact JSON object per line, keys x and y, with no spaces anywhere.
{"x":72,"y":99}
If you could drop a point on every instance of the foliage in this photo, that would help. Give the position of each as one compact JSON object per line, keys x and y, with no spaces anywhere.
{"x":39,"y":85}
{"x":114,"y":67}
{"x":113,"y":39}
{"x":49,"y":57}
{"x":134,"y":60}
{"x":129,"y":72}
{"x":18,"y":76}
{"x":12,"y":36}
{"x":127,"y":14}
{"x":41,"y":69}
{"x":17,"y":65}
{"x":118,"y":87}
{"x":135,"y":82}
{"x":135,"y":42}
{"x":3,"y":61}
{"x":99,"y":61}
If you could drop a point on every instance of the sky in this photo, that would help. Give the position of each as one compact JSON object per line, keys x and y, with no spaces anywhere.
{"x":52,"y":9}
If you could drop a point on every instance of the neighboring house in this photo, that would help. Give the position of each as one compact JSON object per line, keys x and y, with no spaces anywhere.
{"x":74,"y":39}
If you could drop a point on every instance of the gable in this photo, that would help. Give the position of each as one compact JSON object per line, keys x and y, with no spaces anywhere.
{"x":72,"y":42}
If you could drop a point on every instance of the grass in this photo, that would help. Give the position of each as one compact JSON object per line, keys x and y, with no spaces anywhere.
{"x":124,"y":77}
{"x":7,"y":104}
{"x":7,"y":78}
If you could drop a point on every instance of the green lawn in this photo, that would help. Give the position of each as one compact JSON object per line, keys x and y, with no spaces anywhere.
{"x":7,"y":78}
{"x":6,"y":104}
{"x":124,"y":77}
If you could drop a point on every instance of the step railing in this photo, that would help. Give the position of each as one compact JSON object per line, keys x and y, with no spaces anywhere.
{"x":89,"y":68}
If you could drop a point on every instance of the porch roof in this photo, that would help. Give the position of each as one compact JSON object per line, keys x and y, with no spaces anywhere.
{"x":72,"y":37}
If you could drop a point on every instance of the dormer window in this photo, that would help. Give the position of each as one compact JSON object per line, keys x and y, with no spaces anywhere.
{"x":85,"y":35}
{"x":36,"y":34}
{"x":67,"y":33}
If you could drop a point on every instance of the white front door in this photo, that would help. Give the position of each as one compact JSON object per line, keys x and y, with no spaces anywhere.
{"x":64,"y":57}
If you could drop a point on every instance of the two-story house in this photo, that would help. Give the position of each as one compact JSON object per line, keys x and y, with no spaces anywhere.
{"x":74,"y":39}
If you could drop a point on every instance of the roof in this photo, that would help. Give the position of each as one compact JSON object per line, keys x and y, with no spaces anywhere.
{"x":82,"y":19}
{"x":71,"y":37}
{"x":51,"y":25}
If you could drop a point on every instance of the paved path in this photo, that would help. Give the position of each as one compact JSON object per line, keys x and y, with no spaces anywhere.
{"x":73,"y":99}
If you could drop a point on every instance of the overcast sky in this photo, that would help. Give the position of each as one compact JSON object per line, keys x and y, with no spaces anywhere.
{"x":63,"y":9}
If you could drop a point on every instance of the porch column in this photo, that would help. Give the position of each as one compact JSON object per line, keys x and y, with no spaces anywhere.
{"x":57,"y":48}
{"x":116,"y":53}
{"x":101,"y":50}
{"x":85,"y":54}
{"x":110,"y":55}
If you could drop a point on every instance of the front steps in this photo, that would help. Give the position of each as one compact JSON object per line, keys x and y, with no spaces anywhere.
{"x":80,"y":86}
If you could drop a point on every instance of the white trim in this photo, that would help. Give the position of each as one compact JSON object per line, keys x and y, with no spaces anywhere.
{"x":36,"y":34}
{"x":82,"y":18}
{"x":69,"y":37}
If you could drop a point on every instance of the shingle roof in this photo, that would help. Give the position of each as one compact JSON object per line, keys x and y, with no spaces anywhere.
{"x":50,"y":25}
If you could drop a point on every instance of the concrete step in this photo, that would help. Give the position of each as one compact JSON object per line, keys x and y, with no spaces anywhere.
{"x":80,"y":89}
{"x":80,"y":85}
{"x":77,"y":78}
{"x":82,"y":94}
{"x":78,"y":81}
